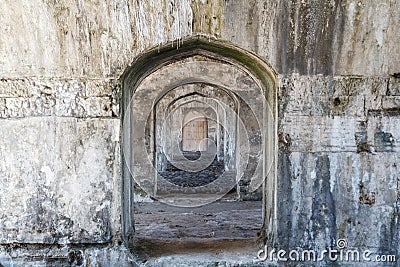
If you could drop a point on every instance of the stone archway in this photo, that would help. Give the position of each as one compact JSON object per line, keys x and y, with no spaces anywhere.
{"x":236,"y":72}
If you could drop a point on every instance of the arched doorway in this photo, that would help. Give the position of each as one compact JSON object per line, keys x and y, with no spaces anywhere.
{"x":245,"y":97}
{"x":194,"y":132}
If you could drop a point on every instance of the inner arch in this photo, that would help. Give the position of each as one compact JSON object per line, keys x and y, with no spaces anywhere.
{"x":213,"y":52}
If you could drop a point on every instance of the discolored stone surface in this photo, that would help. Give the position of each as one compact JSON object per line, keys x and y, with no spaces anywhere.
{"x":60,"y":120}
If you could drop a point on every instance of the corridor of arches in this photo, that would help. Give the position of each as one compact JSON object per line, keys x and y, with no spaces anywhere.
{"x":199,"y":149}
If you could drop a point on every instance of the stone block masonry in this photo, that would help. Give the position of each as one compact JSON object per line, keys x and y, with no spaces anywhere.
{"x":338,"y":100}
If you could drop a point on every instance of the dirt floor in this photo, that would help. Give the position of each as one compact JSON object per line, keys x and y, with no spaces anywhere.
{"x":219,"y":227}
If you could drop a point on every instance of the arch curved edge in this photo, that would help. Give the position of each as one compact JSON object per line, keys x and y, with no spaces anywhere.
{"x":156,"y":57}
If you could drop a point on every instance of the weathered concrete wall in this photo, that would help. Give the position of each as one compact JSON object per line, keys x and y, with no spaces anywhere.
{"x":84,"y":38}
{"x":340,"y":163}
{"x":60,"y":178}
{"x":60,"y":151}
{"x":60,"y":169}
{"x":318,"y":37}
{"x":100,"y":38}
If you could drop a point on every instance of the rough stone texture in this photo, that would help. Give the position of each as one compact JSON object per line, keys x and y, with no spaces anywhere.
{"x":84,"y":38}
{"x":38,"y":97}
{"x":52,"y":168}
{"x":100,"y":38}
{"x":341,"y":165}
{"x":328,"y":112}
{"x":42,"y":256}
{"x":339,"y":107}
{"x":318,"y":37}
